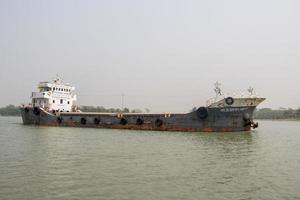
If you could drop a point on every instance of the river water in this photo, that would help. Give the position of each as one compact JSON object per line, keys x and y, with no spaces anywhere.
{"x":77,"y":163}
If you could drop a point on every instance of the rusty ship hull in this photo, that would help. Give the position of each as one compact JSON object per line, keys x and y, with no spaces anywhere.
{"x":215,"y":118}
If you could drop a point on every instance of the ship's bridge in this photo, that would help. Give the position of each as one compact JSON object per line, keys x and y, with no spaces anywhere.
{"x":54,"y":96}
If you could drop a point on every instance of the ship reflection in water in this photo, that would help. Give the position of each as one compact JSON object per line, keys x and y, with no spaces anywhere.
{"x":77,"y":163}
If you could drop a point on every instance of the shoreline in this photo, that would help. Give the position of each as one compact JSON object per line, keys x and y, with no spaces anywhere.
{"x":277,"y":119}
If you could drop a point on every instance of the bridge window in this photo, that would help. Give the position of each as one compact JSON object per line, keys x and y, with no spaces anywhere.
{"x":44,"y":89}
{"x":61,"y":101}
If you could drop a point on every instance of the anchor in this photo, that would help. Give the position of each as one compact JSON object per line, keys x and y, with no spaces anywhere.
{"x":250,"y":122}
{"x":254,"y":125}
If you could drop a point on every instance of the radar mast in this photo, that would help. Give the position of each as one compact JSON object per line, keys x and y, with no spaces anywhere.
{"x":218,"y":89}
{"x":250,"y":91}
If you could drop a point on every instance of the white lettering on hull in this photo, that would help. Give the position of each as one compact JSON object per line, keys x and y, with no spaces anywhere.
{"x":233,"y":109}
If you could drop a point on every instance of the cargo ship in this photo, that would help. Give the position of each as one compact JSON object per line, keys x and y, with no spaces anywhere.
{"x":54,"y":105}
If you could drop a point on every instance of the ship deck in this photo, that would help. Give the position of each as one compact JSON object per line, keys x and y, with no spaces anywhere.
{"x":117,"y":114}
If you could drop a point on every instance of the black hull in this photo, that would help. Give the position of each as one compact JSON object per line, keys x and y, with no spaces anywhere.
{"x":230,"y":119}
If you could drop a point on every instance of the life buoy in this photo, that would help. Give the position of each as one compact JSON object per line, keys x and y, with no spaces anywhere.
{"x":158,"y":122}
{"x":26,"y":109}
{"x":83,"y":121}
{"x":36,"y":111}
{"x":59,"y":120}
{"x":139,"y":121}
{"x":202,"y":112}
{"x":96,"y":120}
{"x":229,"y":101}
{"x":123,"y":121}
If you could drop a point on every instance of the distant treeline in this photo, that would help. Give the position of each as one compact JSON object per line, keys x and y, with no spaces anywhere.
{"x":264,"y":113}
{"x":12,"y":110}
{"x":282,"y":113}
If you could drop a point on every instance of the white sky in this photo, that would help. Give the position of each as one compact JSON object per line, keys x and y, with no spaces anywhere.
{"x":163,"y":55}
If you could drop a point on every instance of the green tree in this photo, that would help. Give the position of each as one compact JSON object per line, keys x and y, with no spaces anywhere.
{"x":10,"y":110}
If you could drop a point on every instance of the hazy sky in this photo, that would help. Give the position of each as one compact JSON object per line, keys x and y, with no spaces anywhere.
{"x":163,"y":55}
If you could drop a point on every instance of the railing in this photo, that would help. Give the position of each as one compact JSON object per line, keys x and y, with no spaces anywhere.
{"x":210,"y":101}
{"x":23,"y":105}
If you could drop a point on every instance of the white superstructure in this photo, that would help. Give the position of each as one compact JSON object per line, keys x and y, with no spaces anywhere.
{"x":54,"y":96}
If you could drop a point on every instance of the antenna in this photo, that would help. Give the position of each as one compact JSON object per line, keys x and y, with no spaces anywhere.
{"x":57,"y":79}
{"x":250,"y":90}
{"x":217,"y":89}
{"x":123,"y":96}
